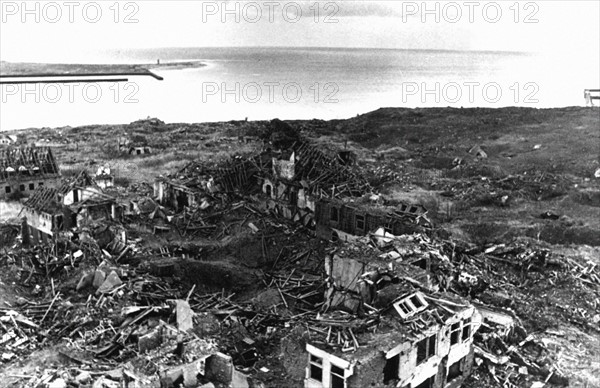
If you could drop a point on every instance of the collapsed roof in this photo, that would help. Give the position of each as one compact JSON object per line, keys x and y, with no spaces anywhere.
{"x":49,"y":200}
{"x":24,"y":162}
{"x":324,"y":175}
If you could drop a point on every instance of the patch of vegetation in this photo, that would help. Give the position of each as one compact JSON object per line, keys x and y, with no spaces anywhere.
{"x":485,"y":233}
{"x":435,"y":162}
{"x":588,"y":198}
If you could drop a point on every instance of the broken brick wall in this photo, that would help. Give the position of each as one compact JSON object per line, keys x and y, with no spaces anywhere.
{"x":105,"y":181}
{"x":81,"y":194}
{"x":369,"y":373}
{"x":25,"y":185}
{"x":294,"y":357}
{"x":38,"y":220}
{"x":345,"y":288}
{"x":284,"y":168}
{"x":173,"y":196}
{"x":89,"y":214}
{"x":348,"y":219}
{"x":447,"y":353}
{"x":356,"y":221}
{"x":457,"y":372}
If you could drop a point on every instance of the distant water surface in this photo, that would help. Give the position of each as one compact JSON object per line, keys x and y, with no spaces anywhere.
{"x":298,"y":83}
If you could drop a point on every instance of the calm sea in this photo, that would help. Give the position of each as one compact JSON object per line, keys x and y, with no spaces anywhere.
{"x":298,"y":83}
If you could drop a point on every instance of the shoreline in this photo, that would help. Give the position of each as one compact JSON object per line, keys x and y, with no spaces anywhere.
{"x":177,"y":65}
{"x":21,"y":70}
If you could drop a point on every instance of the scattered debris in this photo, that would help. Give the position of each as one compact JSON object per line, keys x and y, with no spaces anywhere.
{"x":478,"y":152}
{"x":332,"y":283}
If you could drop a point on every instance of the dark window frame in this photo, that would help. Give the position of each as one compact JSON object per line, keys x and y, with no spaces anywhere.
{"x":455,"y":331}
{"x":59,"y":219}
{"x":408,"y":306}
{"x":466,"y":330}
{"x":315,"y":369}
{"x":269,"y":190}
{"x":337,"y":377}
{"x":416,"y":301}
{"x":334,"y":214}
{"x":426,"y":348}
{"x":360,"y":218}
{"x":405,"y":308}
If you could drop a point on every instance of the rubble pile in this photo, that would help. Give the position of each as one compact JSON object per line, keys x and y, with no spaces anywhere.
{"x":281,"y":268}
{"x":479,"y":183}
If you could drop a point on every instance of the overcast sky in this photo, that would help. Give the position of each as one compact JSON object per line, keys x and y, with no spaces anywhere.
{"x":558,"y":28}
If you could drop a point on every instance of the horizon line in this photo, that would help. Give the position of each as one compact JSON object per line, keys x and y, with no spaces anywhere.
{"x":320,"y":47}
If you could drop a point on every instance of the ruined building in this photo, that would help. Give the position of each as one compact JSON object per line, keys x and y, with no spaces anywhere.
{"x":287,"y":196}
{"x":409,"y":336}
{"x":324,"y":175}
{"x":307,"y":185}
{"x":357,"y":275}
{"x":137,"y":147}
{"x":424,"y":341}
{"x":340,"y":219}
{"x":139,"y":150}
{"x":104,"y":178}
{"x":76,"y":203}
{"x":6,"y":140}
{"x":302,"y":183}
{"x":302,"y":176}
{"x":23,"y":170}
{"x":400,"y":327}
{"x":195,"y":184}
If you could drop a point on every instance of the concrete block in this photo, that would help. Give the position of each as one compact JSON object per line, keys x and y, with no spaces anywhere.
{"x":219,"y":368}
{"x":239,"y":380}
{"x":111,"y":282}
{"x":99,"y":277}
{"x":190,"y":375}
{"x":184,"y":315}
